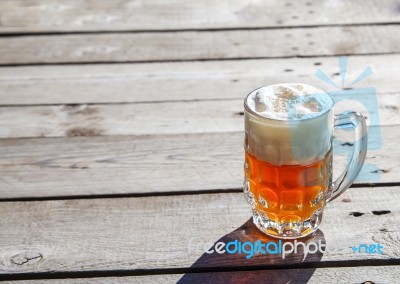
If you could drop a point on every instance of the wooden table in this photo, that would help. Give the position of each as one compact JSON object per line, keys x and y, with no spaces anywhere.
{"x":122,"y":127}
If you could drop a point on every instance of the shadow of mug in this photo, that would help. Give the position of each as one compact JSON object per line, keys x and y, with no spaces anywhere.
{"x":258,"y":268}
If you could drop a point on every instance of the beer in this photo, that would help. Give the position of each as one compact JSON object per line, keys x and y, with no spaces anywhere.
{"x":287,"y":198}
{"x":288,"y":158}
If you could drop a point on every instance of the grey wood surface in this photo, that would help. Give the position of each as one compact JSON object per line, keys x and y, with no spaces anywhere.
{"x":341,"y":275}
{"x":182,"y":81}
{"x":148,"y":164}
{"x":132,"y":47}
{"x":163,"y":232}
{"x":79,"y":15}
{"x":166,"y":137}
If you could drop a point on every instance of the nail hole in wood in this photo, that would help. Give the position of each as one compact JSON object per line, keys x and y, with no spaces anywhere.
{"x":381,"y":212}
{"x":356,"y":214}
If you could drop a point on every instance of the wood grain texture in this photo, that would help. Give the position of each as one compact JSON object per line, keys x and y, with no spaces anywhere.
{"x":154,"y":145}
{"x":80,"y":15}
{"x":341,"y":275}
{"x":118,"y":83}
{"x":147,"y":118}
{"x":134,"y":47}
{"x":131,"y":233}
{"x":147,"y":164}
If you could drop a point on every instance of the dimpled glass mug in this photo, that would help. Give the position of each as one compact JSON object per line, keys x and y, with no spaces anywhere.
{"x":288,"y":157}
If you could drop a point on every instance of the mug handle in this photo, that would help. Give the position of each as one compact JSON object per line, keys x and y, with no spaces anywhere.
{"x":357,"y":121}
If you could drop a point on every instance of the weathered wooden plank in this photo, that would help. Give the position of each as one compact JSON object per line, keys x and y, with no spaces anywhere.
{"x":147,"y":164}
{"x":133,"y":47}
{"x":145,"y":118}
{"x":80,"y":15}
{"x":131,"y":233}
{"x":340,"y":275}
{"x":115,"y":83}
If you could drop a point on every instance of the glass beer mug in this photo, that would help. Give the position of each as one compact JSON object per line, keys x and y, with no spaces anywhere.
{"x":288,"y":157}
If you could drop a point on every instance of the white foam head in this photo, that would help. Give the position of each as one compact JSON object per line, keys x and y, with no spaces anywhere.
{"x":288,"y":124}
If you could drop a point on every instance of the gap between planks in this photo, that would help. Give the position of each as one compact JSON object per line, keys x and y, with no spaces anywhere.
{"x":128,"y":62}
{"x":58,"y":33}
{"x":308,"y":272}
{"x":166,"y":193}
{"x":341,"y":275}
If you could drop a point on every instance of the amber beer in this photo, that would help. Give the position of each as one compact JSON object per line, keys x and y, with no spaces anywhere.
{"x":288,"y":158}
{"x":287,"y":197}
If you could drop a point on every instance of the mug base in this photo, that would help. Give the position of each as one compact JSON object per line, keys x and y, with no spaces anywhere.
{"x":287,"y":230}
